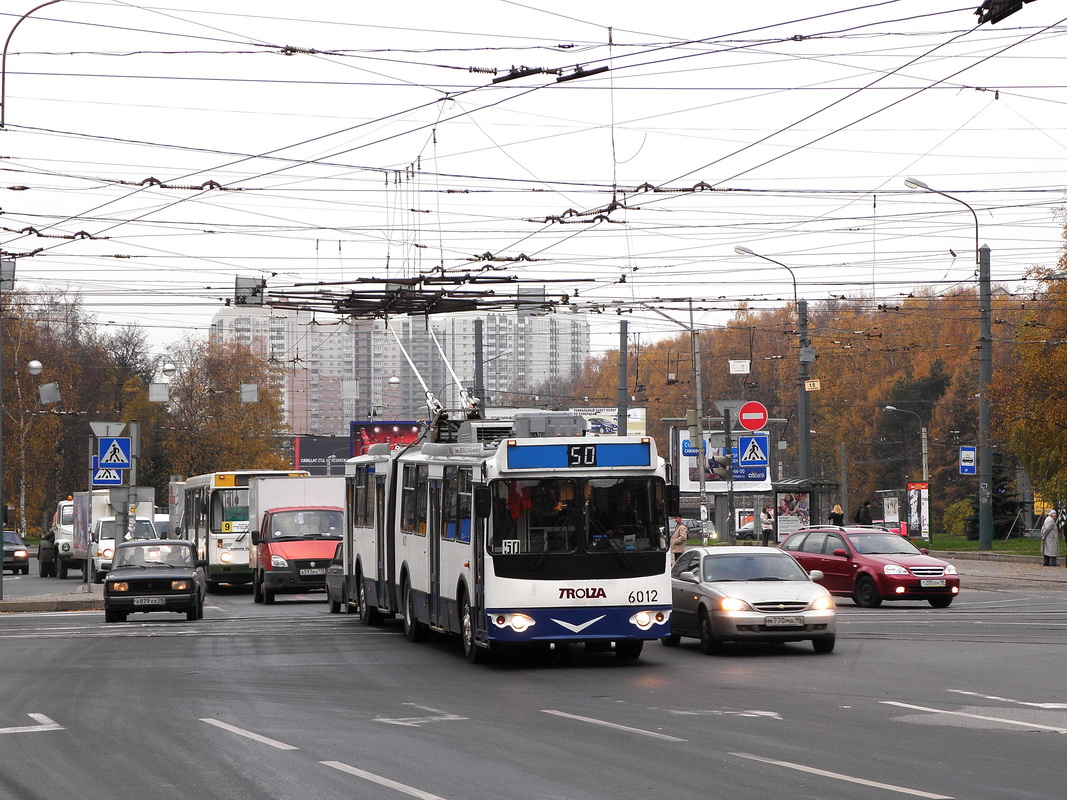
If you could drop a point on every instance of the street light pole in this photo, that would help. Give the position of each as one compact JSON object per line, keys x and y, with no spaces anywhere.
{"x":805,"y":358}
{"x":985,"y":375}
{"x":922,"y":434}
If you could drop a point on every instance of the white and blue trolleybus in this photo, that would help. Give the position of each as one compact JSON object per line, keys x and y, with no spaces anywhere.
{"x":522,"y":532}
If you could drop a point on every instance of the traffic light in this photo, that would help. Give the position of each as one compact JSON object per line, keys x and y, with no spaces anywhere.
{"x":721,"y":467}
{"x":993,"y":11}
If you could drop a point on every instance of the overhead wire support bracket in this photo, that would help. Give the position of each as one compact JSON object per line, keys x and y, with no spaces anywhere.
{"x":581,"y":73}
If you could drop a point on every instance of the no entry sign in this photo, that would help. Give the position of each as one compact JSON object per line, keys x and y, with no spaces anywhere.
{"x":753,"y":416}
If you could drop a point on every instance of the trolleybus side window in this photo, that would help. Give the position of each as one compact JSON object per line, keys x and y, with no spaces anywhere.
{"x":450,"y":501}
{"x":413,"y":508}
{"x":464,"y":505}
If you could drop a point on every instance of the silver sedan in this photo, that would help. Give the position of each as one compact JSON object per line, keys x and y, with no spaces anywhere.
{"x":748,"y":594}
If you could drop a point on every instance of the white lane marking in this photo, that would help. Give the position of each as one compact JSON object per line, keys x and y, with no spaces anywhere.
{"x":378,"y":779}
{"x":248,"y":734}
{"x":414,"y":722}
{"x":976,"y":716}
{"x":728,"y":713}
{"x":1052,"y":706}
{"x":626,"y":728}
{"x":43,"y":724}
{"x":837,"y":776}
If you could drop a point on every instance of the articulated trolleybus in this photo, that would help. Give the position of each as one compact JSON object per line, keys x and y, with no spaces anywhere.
{"x":513,"y":532}
{"x":214,"y":514}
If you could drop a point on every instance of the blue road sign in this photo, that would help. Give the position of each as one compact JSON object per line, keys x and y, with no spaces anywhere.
{"x":113,"y":452}
{"x":968,"y":461}
{"x":105,"y":476}
{"x":753,"y":450}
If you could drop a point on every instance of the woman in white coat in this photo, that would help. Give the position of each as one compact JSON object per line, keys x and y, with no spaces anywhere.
{"x":1050,"y":539}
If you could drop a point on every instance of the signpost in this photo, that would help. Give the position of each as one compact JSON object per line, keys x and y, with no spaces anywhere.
{"x":968,"y":461}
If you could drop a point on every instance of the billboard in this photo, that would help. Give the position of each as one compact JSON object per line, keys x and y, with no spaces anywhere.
{"x":604,"y":421}
{"x":919,"y":509}
{"x":748,"y":456}
{"x":393,"y":432}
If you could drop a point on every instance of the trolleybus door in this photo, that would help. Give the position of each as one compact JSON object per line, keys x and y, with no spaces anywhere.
{"x":381,"y":536}
{"x":433,"y":541}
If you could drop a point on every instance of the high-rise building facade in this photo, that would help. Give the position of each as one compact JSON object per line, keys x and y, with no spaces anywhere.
{"x":335,"y":372}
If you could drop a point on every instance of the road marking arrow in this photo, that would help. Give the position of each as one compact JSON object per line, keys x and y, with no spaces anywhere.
{"x":414,"y":722}
{"x":44,"y":724}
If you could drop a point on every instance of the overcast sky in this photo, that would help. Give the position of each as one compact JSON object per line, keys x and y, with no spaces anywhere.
{"x":153,"y":153}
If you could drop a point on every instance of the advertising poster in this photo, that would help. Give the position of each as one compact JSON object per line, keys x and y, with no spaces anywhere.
{"x":793,"y":511}
{"x":919,"y":509}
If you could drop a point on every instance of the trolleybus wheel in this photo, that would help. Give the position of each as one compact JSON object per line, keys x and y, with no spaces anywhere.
{"x":471,"y":650}
{"x":629,"y":649}
{"x":414,"y":630}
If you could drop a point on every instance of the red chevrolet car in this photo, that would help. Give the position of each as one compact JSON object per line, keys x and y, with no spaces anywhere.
{"x":872,"y":565}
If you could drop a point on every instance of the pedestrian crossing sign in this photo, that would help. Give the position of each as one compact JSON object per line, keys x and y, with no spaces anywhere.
{"x":752,"y":450}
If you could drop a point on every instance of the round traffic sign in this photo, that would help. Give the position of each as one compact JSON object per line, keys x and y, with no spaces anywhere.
{"x":753,"y":416}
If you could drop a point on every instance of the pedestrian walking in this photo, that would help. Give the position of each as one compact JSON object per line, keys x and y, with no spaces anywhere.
{"x":1050,"y":539}
{"x":678,"y":539}
{"x":837,"y":516}
{"x":863,"y":514}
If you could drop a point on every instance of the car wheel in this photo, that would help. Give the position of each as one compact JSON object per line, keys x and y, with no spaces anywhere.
{"x":268,"y":595}
{"x":200,"y":609}
{"x":335,"y":605}
{"x":708,"y":643}
{"x":257,"y":589}
{"x":114,"y":616}
{"x":367,"y":615}
{"x":471,"y":650}
{"x":629,"y":649}
{"x":414,"y":630}
{"x":25,"y":569}
{"x":63,"y":570}
{"x":191,"y":614}
{"x":941,"y":602}
{"x":824,"y":645}
{"x":671,"y":640}
{"x":866,"y":593}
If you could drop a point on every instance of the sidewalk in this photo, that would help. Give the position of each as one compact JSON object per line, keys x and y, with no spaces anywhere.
{"x":75,"y":596}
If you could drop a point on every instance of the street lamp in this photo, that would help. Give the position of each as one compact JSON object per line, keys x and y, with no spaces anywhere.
{"x":985,"y":375}
{"x":807,"y":355}
{"x":922,"y":434}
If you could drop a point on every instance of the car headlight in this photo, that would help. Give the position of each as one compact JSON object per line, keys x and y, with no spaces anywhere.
{"x":277,"y":562}
{"x":950,"y":570}
{"x":181,"y":586}
{"x":119,"y":586}
{"x":824,"y":603}
{"x":894,"y":569}
{"x":22,"y":554}
{"x":734,"y":604}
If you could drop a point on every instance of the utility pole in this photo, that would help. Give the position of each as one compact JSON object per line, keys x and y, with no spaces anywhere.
{"x":985,"y":381}
{"x":623,"y":394}
{"x":807,"y":355}
{"x":702,"y":455}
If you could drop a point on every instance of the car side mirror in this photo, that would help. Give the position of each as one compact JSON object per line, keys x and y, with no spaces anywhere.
{"x":256,"y":539}
{"x":689,"y":576}
{"x":841,"y":552}
{"x":816,"y":575}
{"x":924,"y":551}
{"x":201,"y":562}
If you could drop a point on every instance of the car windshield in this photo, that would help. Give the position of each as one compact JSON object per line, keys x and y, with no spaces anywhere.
{"x":307,"y":523}
{"x":154,"y":555}
{"x":142,"y":529}
{"x":10,"y":537}
{"x":870,"y":544}
{"x":754,"y":567}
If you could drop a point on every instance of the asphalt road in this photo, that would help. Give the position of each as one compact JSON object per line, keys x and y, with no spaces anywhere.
{"x":288,"y":701}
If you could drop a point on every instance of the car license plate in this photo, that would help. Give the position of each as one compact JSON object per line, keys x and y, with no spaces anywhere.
{"x":313,"y":571}
{"x":783,"y":622}
{"x":149,"y":601}
{"x":932,"y":582}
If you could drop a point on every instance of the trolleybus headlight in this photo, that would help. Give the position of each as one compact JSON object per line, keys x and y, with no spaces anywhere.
{"x":517,"y":622}
{"x":277,"y":562}
{"x":226,"y":558}
{"x":180,"y":586}
{"x":646,"y":619}
{"x":107,"y":552}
